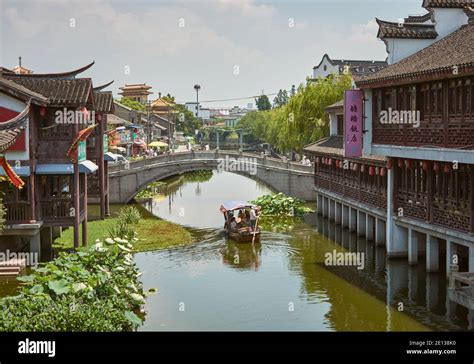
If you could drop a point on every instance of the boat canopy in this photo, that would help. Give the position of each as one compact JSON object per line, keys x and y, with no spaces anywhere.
{"x":235,"y":205}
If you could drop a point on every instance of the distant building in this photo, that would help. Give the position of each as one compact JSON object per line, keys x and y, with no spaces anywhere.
{"x":329,"y":66}
{"x":204,"y":113}
{"x":136,"y":92}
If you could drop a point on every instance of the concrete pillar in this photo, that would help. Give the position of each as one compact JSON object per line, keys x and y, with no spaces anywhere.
{"x":345,"y":216}
{"x":471,"y":258}
{"x":389,"y":222}
{"x":380,"y":232}
{"x":332,"y":213}
{"x":352,"y":219}
{"x":451,"y":252}
{"x":397,"y":244}
{"x":319,"y":204}
{"x":35,"y":245}
{"x":325,"y":206}
{"x":46,"y":236}
{"x":361,"y":223}
{"x":369,"y":227}
{"x":432,"y":254}
{"x":413,"y":243}
{"x":338,"y":213}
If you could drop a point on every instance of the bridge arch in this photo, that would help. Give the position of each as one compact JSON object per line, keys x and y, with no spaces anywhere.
{"x":290,"y":178}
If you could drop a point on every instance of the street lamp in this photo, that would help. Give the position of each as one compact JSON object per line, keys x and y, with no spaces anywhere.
{"x":197,"y":88}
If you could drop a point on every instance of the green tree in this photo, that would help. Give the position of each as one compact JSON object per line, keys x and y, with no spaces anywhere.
{"x":135,"y":105}
{"x":281,"y":98}
{"x":185,"y":120}
{"x":263,"y":103}
{"x":168,"y":98}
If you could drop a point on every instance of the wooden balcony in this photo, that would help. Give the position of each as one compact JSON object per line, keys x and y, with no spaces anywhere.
{"x":18,"y":212}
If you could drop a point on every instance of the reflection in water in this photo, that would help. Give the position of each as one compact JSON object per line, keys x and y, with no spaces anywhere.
{"x":281,"y":283}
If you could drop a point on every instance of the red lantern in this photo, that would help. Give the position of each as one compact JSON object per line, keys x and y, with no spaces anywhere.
{"x":42,"y":111}
{"x":389,"y":163}
{"x":371,"y":171}
{"x":330,"y":161}
{"x":400,"y":163}
{"x":383,"y":171}
{"x":362,"y":168}
{"x":356,"y":167}
{"x":424,"y":165}
{"x":447,"y":168}
{"x":436,"y":166}
{"x":409,"y":163}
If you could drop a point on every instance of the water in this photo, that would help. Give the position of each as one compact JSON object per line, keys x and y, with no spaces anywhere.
{"x":281,"y":283}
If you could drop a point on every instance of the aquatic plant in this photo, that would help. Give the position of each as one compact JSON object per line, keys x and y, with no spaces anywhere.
{"x":93,"y":290}
{"x":280,"y":204}
{"x":125,"y":224}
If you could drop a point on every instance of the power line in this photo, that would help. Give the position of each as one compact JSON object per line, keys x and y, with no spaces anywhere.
{"x":241,"y":98}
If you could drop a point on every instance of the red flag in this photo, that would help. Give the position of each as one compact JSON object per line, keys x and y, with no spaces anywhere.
{"x":12,"y":176}
{"x":81,"y":136}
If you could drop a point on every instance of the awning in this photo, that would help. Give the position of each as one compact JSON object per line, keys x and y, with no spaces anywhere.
{"x":110,"y":157}
{"x":84,"y":167}
{"x":87,"y":167}
{"x":23,"y":171}
{"x":55,"y":168}
{"x":157,"y":143}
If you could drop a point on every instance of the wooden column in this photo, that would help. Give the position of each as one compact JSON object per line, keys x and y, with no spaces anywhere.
{"x":471,"y":170}
{"x":76,"y":195}
{"x":429,"y":181}
{"x":101,"y":166}
{"x":84,"y":221}
{"x":32,"y":144}
{"x":106,"y":183}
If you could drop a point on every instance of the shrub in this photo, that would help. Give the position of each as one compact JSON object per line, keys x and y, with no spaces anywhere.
{"x":280,"y":204}
{"x":94,"y":290}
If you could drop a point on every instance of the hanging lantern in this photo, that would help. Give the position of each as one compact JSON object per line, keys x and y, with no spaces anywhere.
{"x":424,"y":165}
{"x":317,"y":160}
{"x":330,"y":161}
{"x":383,"y":172}
{"x":409,"y":163}
{"x":42,"y":111}
{"x":400,"y":163}
{"x":99,"y":117}
{"x":376,"y":171}
{"x":447,"y":168}
{"x":371,"y":171}
{"x":362,"y":168}
{"x":389,"y":163}
{"x":356,"y":167}
{"x":436,"y":166}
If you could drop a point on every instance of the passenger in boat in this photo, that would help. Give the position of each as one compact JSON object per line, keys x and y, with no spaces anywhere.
{"x":233,"y":225}
{"x":243,"y":221}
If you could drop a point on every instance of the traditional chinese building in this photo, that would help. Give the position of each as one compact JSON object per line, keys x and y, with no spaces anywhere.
{"x":136,"y":92}
{"x":47,"y":163}
{"x":418,"y":125}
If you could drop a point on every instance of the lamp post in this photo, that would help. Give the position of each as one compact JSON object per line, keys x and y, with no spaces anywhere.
{"x":197,"y":88}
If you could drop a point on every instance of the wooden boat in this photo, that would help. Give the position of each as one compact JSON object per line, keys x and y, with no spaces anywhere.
{"x":242,"y":235}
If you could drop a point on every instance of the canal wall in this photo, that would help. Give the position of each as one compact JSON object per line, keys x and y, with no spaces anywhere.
{"x":293,"y":179}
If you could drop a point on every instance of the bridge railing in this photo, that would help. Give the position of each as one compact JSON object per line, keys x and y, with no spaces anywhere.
{"x":211,"y":155}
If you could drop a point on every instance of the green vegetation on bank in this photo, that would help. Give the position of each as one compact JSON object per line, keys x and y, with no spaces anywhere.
{"x":281,"y":205}
{"x":153,"y":233}
{"x":299,"y":120}
{"x":93,"y":290}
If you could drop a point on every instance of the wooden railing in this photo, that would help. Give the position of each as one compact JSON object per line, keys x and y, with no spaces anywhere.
{"x":18,"y":212}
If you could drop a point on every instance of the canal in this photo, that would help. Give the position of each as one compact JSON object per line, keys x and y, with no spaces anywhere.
{"x":283,"y":282}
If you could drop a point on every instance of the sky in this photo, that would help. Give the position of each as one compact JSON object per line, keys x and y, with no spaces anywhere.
{"x":231,"y":48}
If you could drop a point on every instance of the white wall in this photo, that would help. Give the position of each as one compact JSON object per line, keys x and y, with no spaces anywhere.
{"x":320,"y":72}
{"x":367,"y":136}
{"x":449,"y":20}
{"x":332,"y":124}
{"x":398,"y":49}
{"x":13,"y":104}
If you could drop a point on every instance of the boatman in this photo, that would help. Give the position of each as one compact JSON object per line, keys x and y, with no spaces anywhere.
{"x":253,"y":217}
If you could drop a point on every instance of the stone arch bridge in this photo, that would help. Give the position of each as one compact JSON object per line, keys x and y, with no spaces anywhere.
{"x":293,"y":179}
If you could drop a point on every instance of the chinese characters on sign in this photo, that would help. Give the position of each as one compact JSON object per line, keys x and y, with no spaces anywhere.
{"x":353,"y":123}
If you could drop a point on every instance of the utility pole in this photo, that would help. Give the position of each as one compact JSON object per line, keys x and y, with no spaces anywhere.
{"x":197,"y":88}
